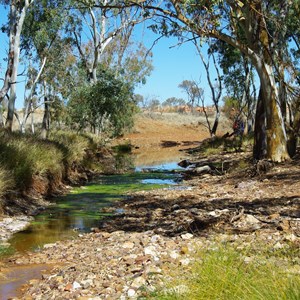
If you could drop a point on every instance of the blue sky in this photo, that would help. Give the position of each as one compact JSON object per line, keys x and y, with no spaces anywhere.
{"x":171,"y":67}
{"x":172,"y":64}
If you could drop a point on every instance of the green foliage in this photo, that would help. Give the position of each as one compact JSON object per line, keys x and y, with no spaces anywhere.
{"x":123,"y":148}
{"x":173,"y":101}
{"x":107,"y":105}
{"x":193,"y":91}
{"x":153,"y":104}
{"x":211,"y":146}
{"x":137,"y":64}
{"x":223,"y":274}
{"x":230,"y":107}
{"x":42,"y":24}
{"x":5,"y":251}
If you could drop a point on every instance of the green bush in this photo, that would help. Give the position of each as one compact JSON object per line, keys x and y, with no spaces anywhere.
{"x":107,"y":106}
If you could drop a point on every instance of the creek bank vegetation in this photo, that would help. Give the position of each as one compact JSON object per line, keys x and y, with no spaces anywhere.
{"x":34,"y":171}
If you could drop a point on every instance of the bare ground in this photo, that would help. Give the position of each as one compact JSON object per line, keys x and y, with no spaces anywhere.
{"x":152,"y":129}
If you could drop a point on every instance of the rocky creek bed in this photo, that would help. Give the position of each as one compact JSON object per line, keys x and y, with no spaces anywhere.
{"x":131,"y":253}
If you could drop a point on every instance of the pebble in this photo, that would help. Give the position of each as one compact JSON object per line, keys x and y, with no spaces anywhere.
{"x":187,"y":236}
{"x":128,"y":245}
{"x":131,"y":293}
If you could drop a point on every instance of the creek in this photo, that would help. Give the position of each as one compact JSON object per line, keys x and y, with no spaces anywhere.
{"x":78,"y":212}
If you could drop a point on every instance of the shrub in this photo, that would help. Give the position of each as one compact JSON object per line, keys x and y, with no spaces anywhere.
{"x":107,"y":106}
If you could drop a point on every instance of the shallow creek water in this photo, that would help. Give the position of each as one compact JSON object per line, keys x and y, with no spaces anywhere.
{"x":77,"y":212}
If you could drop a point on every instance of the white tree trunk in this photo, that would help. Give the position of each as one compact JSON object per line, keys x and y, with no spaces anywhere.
{"x":16,"y":24}
{"x":28,"y":105}
{"x":276,"y":134}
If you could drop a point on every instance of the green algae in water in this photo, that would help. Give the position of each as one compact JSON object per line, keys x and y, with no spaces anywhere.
{"x":81,"y":209}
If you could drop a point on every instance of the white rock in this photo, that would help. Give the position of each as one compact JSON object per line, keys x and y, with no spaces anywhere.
{"x":47,"y":246}
{"x":278,"y":245}
{"x":251,"y":219}
{"x":155,"y":238}
{"x":185,"y":261}
{"x":17,"y":225}
{"x":76,"y":285}
{"x":131,"y":293}
{"x":138,"y":282}
{"x":128,"y":245}
{"x":174,"y":254}
{"x":201,"y":170}
{"x":248,"y":259}
{"x":150,"y":250}
{"x":187,"y":236}
{"x":291,"y":237}
{"x":212,"y":213}
{"x":7,"y":220}
{"x":87,"y":283}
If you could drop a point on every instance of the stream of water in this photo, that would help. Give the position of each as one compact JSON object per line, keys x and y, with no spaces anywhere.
{"x":79,"y":211}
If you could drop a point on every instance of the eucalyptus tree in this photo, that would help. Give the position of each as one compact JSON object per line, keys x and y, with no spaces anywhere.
{"x":173,"y":102}
{"x":107,"y":105}
{"x":16,"y":18}
{"x":95,"y":28}
{"x":130,"y":60}
{"x":291,"y":56}
{"x":245,"y":25}
{"x":215,"y":88}
{"x":194,"y":92}
{"x":43,"y":43}
{"x":238,"y":78}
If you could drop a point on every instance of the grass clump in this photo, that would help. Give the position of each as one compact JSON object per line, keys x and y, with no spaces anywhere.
{"x":26,"y":156}
{"x":6,"y":181}
{"x":225,"y":274}
{"x":72,"y":145}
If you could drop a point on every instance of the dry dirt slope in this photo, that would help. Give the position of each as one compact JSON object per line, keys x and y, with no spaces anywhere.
{"x":151,"y":129}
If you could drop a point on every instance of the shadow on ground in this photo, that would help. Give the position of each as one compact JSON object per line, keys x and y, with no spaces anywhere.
{"x":201,"y":217}
{"x":238,"y":210}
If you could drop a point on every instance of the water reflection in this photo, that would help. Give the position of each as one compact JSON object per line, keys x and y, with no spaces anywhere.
{"x":157,"y":157}
{"x":15,"y":277}
{"x":165,"y":166}
{"x":159,"y":181}
{"x":81,"y":210}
